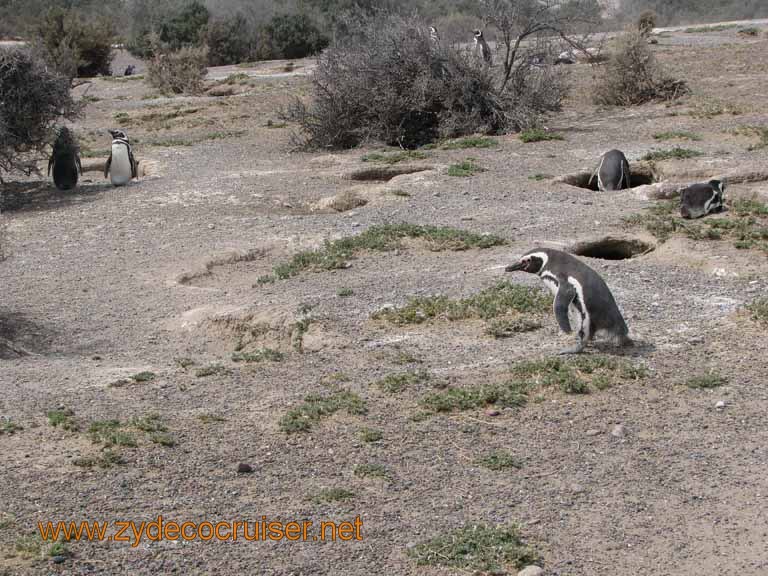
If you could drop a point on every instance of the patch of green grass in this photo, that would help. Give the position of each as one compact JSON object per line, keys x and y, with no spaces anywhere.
{"x":465,"y":168}
{"x":260,"y":355}
{"x":759,"y":310}
{"x":106,"y":459}
{"x":175,"y":142}
{"x":211,"y":418}
{"x":713,"y":28}
{"x":540,"y":177}
{"x":122,"y":118}
{"x":369,"y":435}
{"x":271,"y":124}
{"x":371,"y":471}
{"x":109,"y":433}
{"x":507,"y":395}
{"x":88,"y":153}
{"x":394,"y":157}
{"x":236,"y":78}
{"x":316,"y":407}
{"x":395,"y":383}
{"x":711,"y":107}
{"x":539,"y":135}
{"x":676,"y":153}
{"x":677,"y":135}
{"x":386,"y":237}
{"x":344,"y":292}
{"x":143,"y":377}
{"x":332,"y":495}
{"x":468,"y":142}
{"x":498,"y":300}
{"x":499,"y":460}
{"x":64,"y":419}
{"x":8,"y":426}
{"x":749,"y":31}
{"x":152,"y":422}
{"x":163,"y":438}
{"x":476,"y":548}
{"x":184,"y":362}
{"x":706,"y":381}
{"x":507,"y":327}
{"x":400,"y":193}
{"x":210,"y":370}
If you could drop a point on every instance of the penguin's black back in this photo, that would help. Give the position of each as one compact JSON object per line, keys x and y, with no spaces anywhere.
{"x":614,"y":170}
{"x":603,"y":311}
{"x":65,"y":160}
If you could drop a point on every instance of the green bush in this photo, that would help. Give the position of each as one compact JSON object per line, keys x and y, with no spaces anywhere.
{"x":178,"y":72}
{"x":74,"y":45}
{"x":187,"y":27}
{"x":229,"y":41}
{"x":174,"y":26}
{"x":294,"y":36}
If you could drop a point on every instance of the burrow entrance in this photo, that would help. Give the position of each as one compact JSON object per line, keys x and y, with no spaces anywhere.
{"x":384,"y":173}
{"x":612,"y":248}
{"x":640,"y":175}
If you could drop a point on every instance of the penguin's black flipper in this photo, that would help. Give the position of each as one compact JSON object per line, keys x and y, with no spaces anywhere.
{"x":134,"y":164}
{"x":79,"y":165}
{"x":50,"y":163}
{"x":565,"y":295}
{"x":107,"y":165}
{"x":627,"y":175}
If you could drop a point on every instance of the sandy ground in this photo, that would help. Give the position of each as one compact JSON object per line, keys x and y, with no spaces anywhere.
{"x":104,"y":283}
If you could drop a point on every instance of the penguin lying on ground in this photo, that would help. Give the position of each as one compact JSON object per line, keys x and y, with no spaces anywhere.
{"x":580,"y":290}
{"x":701,"y":199}
{"x":65,"y":160}
{"x":121,"y":166}
{"x":613,"y":172}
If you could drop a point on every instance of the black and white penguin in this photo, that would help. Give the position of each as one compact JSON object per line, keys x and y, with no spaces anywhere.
{"x":65,"y":160}
{"x":121,"y":166}
{"x":613,"y":172}
{"x":482,"y":48}
{"x":701,"y":199}
{"x":434,"y":36}
{"x":579,"y":290}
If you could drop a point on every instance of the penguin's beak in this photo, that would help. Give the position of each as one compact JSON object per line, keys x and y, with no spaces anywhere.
{"x":515,"y":267}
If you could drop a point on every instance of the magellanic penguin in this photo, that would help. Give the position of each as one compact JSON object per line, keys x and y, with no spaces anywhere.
{"x":613,"y":172}
{"x":121,"y":166}
{"x":434,"y":36}
{"x":65,"y":160}
{"x":580,"y":290}
{"x":481,"y":47}
{"x":701,"y":199}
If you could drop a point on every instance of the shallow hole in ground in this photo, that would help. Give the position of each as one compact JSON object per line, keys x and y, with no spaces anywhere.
{"x":639,"y":176}
{"x":611,"y":248}
{"x":385,"y":173}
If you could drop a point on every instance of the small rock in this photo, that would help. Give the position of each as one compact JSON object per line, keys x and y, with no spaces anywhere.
{"x":618,"y":431}
{"x":211,"y":226}
{"x":720,"y":405}
{"x":475,"y":198}
{"x":244,"y":468}
{"x":593,"y":432}
{"x":58,"y":559}
{"x":531,"y":570}
{"x":492,"y":412}
{"x":221,"y":90}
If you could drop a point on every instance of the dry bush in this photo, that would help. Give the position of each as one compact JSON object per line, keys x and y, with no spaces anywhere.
{"x":387,"y":81}
{"x":457,"y":28}
{"x":178,"y":72}
{"x":632,"y":75}
{"x":646,"y":22}
{"x":32,"y":98}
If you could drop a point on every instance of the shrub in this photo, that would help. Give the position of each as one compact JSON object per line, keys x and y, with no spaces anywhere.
{"x":186,"y":27}
{"x":646,"y":22}
{"x":229,"y":41}
{"x":633,"y":76}
{"x":176,"y":25}
{"x":32,"y":98}
{"x":75,"y":46}
{"x":294,"y":36}
{"x":178,"y":72}
{"x":398,"y":87}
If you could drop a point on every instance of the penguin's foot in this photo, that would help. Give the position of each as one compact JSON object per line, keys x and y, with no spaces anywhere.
{"x":577,"y":349}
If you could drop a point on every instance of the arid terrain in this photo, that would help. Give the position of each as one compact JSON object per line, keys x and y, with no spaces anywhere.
{"x":148,"y":348}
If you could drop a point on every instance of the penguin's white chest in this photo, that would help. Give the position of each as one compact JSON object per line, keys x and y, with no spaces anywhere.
{"x":120,"y":168}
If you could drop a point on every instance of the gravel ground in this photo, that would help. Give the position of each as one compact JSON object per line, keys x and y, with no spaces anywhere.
{"x":105,"y":283}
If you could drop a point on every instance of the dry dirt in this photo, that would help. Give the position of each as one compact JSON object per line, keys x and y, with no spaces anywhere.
{"x":104,"y":283}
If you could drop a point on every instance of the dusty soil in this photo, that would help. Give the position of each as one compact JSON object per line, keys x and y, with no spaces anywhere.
{"x":104,"y":283}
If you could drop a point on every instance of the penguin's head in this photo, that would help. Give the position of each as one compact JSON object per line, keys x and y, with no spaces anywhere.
{"x":118,"y":134}
{"x":532,"y":263}
{"x":478,"y":33}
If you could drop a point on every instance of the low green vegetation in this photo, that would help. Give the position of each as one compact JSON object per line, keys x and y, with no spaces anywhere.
{"x":749,"y":31}
{"x":396,"y":383}
{"x":676,"y":135}
{"x":371,"y":471}
{"x":336,"y":254}
{"x":508,"y":327}
{"x":143,"y":377}
{"x":106,"y":458}
{"x":509,"y":394}
{"x":468,"y":142}
{"x":63,"y":418}
{"x":539,"y":135}
{"x":332,"y":495}
{"x":210,"y":370}
{"x":672,"y":153}
{"x":369,"y":435}
{"x":9,"y":427}
{"x":110,"y":433}
{"x":711,"y":107}
{"x":706,"y":381}
{"x":394,"y":157}
{"x":175,"y":142}
{"x":317,"y":407}
{"x":499,"y":461}
{"x":759,"y":310}
{"x":476,"y":548}
{"x":465,"y":168}
{"x":761,"y":132}
{"x":499,"y":300}
{"x":210,"y":418}
{"x":344,"y":292}
{"x":713,"y":28}
{"x":540,"y":177}
{"x":260,"y":355}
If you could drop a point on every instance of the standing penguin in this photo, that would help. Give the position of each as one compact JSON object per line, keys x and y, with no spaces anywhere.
{"x":434,"y":36}
{"x":481,"y":47}
{"x":613,"y":172}
{"x":65,"y":160}
{"x":121,"y":166}
{"x":580,"y":290}
{"x":701,"y":199}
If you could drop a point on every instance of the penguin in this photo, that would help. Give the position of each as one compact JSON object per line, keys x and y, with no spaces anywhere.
{"x":612,"y":172}
{"x":434,"y":36}
{"x":129,"y":70}
{"x":121,"y":166}
{"x":481,"y":47}
{"x":65,"y":160}
{"x":702,"y":198}
{"x":566,"y":57}
{"x":577,"y":289}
